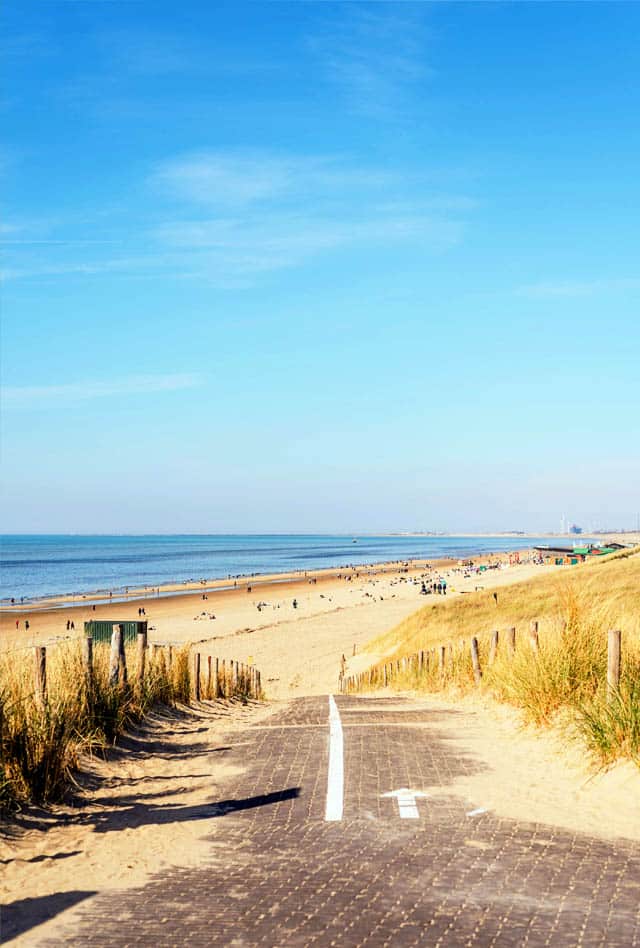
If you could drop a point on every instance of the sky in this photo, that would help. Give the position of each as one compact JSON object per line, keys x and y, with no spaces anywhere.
{"x":319,"y":267}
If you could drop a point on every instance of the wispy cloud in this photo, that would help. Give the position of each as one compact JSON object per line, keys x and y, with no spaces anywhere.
{"x":241,"y":247}
{"x":375,"y":57}
{"x":229,"y":217}
{"x":263,"y":211}
{"x":240,"y":178}
{"x":29,"y":395}
{"x":576,"y":288}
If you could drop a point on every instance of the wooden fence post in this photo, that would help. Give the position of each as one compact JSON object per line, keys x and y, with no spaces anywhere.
{"x":223,"y":677}
{"x":209,"y":675}
{"x":614,"y":660}
{"x":493,"y":650}
{"x":114,"y":657}
{"x":87,"y":661}
{"x":533,"y":636}
{"x":196,"y":676}
{"x":40,"y":675}
{"x":122,"y":658}
{"x":442,"y":658}
{"x":511,"y":640}
{"x":475,"y":658}
{"x":142,"y":655}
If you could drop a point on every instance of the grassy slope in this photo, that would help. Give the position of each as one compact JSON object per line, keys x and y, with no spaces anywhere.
{"x":567,"y":676}
{"x":609,"y":586}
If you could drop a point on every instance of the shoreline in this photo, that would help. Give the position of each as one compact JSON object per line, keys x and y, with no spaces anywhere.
{"x":130,"y":592}
{"x":255,"y":603}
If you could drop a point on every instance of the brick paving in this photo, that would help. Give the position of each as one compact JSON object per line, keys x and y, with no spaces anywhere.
{"x":280,"y":876}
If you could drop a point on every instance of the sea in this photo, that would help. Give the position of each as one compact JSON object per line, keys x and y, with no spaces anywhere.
{"x":33,"y":567}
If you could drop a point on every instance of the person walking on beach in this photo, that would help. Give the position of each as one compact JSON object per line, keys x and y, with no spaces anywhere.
{"x":26,"y":624}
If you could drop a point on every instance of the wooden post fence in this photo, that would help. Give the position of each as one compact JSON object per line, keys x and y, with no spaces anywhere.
{"x":511,"y":640}
{"x":475,"y":658}
{"x":114,"y":658}
{"x":40,"y":675}
{"x":142,"y":655}
{"x":122,"y":662}
{"x":533,"y":636}
{"x":493,"y":649}
{"x":196,"y":676}
{"x":614,"y":661}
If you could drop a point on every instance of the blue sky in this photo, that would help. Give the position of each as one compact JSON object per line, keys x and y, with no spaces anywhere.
{"x":320,"y":266}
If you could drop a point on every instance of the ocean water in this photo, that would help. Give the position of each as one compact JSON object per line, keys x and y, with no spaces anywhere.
{"x":36,"y":566}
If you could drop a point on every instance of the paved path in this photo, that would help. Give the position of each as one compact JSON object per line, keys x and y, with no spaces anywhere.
{"x":280,"y":874}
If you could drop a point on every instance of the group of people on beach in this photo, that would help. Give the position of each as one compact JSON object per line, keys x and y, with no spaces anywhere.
{"x":438,"y":586}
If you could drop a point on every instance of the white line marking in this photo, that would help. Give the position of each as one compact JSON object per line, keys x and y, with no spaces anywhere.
{"x":406,"y":802}
{"x":477,"y":812}
{"x":335,"y":774}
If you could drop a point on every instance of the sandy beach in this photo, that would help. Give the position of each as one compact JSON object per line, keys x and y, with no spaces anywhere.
{"x":102,"y":840}
{"x":336,"y":612}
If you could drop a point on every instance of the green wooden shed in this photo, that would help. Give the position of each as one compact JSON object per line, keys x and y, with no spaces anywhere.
{"x":101,"y":630}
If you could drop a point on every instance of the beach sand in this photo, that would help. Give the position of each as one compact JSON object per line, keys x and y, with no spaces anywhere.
{"x":297,"y":650}
{"x":104,"y":842}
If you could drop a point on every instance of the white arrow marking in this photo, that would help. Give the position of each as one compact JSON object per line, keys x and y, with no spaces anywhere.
{"x":335,"y":775}
{"x":406,"y":802}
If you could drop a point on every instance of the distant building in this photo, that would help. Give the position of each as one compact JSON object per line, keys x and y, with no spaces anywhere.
{"x":574,"y":528}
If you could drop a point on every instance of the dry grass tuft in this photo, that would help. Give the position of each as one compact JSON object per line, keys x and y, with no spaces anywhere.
{"x":40,"y":744}
{"x":566,"y":675}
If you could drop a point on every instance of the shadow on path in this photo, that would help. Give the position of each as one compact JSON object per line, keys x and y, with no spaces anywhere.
{"x":20,"y":916}
{"x":249,"y":803}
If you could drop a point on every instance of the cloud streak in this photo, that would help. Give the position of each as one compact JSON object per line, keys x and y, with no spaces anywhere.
{"x":228,"y":218}
{"x":32,"y":395}
{"x":374,"y":58}
{"x":245,"y":178}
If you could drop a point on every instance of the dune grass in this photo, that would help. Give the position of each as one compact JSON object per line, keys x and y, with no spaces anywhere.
{"x":566,"y":677}
{"x":611,"y":586}
{"x":40,"y":743}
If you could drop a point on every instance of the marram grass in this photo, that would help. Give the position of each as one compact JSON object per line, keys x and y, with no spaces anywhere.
{"x":40,"y":744}
{"x":566,"y":676}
